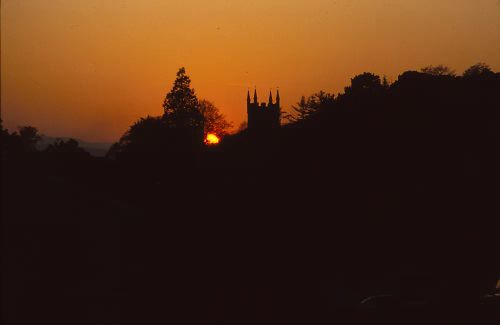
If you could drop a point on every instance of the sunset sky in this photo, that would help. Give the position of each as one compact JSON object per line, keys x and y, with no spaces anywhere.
{"x":89,"y":68}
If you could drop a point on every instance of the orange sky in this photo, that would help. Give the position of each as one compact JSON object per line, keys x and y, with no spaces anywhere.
{"x":89,"y":68}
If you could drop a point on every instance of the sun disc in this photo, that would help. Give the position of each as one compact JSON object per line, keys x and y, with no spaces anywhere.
{"x":212,"y":139}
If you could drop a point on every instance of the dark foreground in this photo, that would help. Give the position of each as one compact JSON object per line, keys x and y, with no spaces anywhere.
{"x":390,"y":193}
{"x":111,"y":245}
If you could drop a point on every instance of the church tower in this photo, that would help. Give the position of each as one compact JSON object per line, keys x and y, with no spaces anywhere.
{"x":263,"y":116}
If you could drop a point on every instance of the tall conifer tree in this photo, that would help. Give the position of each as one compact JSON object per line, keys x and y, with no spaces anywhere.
{"x":181,"y":107}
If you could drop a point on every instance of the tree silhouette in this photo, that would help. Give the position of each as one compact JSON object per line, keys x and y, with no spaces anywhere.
{"x":479,"y":70}
{"x":385,"y":83}
{"x":214,"y":121}
{"x":306,"y":108}
{"x":378,"y":178}
{"x":181,"y":108}
{"x":70,"y":146}
{"x":364,"y":91}
{"x":144,"y":137}
{"x":438,"y":70}
{"x":363,"y":82}
{"x":176,"y":135}
{"x":29,"y":137}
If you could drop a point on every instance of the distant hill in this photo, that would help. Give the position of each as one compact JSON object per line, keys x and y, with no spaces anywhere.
{"x":97,"y":149}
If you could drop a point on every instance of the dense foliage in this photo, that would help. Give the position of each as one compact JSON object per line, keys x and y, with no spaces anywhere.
{"x":382,"y":189}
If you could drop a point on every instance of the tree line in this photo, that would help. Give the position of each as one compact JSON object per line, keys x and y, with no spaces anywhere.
{"x":385,"y":188}
{"x":186,"y":120}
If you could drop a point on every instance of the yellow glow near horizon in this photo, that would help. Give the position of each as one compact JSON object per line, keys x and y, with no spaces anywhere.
{"x":212,"y":139}
{"x":89,"y":68}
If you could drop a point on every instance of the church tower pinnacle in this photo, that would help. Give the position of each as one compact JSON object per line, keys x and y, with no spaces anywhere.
{"x":263,"y":116}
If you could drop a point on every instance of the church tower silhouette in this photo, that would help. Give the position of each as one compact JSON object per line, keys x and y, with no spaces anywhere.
{"x":263,"y":116}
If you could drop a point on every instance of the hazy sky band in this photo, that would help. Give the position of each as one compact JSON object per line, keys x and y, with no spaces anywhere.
{"x":89,"y":68}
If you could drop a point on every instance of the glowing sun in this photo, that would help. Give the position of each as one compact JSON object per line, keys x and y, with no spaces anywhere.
{"x":212,"y":139}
